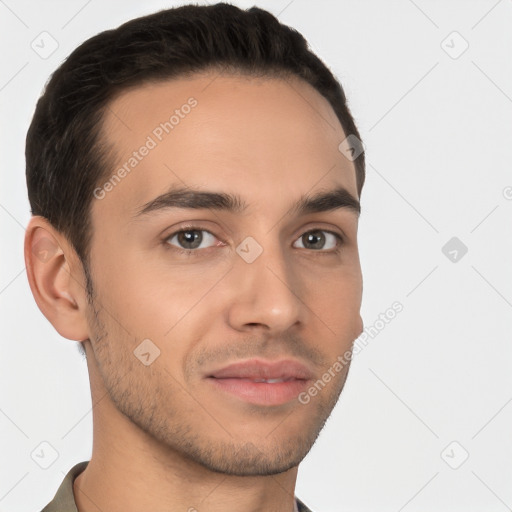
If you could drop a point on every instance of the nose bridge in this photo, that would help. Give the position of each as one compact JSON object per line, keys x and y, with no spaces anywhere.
{"x":268,"y":291}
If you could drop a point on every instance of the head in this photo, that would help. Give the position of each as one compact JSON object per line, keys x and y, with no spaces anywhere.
{"x":193,"y":209}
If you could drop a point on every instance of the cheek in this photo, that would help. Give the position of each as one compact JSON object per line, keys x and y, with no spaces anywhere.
{"x":155,"y":301}
{"x":125,"y":288}
{"x":336,"y":302}
{"x":337,"y":314}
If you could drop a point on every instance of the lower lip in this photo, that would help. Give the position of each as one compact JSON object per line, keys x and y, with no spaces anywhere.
{"x":261,"y":393}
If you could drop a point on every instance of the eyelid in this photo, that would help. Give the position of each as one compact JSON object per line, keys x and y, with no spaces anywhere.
{"x":319,"y":226}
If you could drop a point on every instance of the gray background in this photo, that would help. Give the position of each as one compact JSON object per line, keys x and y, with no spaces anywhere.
{"x":434,"y":385}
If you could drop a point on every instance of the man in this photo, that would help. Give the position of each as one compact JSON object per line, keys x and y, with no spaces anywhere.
{"x":194,"y":178}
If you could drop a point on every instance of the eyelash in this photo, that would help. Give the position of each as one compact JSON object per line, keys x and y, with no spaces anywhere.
{"x":197,"y":252}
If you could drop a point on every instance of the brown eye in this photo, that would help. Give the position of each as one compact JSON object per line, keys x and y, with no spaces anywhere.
{"x":317,"y":239}
{"x":191,"y":239}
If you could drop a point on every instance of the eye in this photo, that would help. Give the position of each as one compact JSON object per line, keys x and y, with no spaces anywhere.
{"x":192,"y":238}
{"x":316,"y":239}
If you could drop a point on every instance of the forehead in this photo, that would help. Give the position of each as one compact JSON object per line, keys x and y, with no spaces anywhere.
{"x":254,"y":136}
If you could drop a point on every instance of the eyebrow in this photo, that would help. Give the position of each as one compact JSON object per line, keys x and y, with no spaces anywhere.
{"x":187,"y":198}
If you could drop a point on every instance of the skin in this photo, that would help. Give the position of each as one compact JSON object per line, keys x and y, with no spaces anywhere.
{"x":162,"y":429}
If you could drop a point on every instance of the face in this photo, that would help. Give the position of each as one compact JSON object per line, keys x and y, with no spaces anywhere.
{"x":183,"y":289}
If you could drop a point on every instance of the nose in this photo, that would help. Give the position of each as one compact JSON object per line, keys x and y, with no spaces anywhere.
{"x":268,"y":294}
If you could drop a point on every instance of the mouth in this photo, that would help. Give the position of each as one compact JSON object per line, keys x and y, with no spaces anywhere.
{"x":262,"y":382}
{"x":268,"y":381}
{"x":261,"y":392}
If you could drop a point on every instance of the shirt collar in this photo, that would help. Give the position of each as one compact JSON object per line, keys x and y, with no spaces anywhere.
{"x":65,"y":499}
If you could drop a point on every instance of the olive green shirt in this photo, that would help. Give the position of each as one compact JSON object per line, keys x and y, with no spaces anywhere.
{"x":64,"y":500}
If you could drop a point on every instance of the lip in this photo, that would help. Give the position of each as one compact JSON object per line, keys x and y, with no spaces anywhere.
{"x":238,"y":380}
{"x":262,"y":369}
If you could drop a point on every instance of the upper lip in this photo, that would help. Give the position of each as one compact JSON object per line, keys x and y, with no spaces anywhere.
{"x":261,"y":369}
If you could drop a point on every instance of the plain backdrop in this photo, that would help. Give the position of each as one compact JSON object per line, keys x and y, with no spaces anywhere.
{"x":424,"y":421}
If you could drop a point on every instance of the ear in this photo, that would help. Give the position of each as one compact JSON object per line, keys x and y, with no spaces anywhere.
{"x":360,"y":325}
{"x":56,"y":278}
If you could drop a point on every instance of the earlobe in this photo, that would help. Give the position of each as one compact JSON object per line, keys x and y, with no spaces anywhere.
{"x":52,"y":271}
